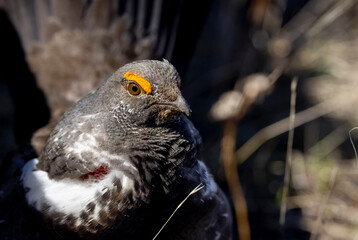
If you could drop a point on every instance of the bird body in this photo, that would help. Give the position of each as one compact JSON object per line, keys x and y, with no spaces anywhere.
{"x":118,"y":164}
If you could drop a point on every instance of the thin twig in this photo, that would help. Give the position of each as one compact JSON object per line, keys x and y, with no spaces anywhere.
{"x":289,"y":152}
{"x":195,"y":190}
{"x":351,"y":139}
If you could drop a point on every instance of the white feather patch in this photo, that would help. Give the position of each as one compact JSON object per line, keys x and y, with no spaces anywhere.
{"x":66,"y":196}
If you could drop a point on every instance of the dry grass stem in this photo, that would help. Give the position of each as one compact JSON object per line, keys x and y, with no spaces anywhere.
{"x":329,"y":143}
{"x":323,"y":203}
{"x":195,"y":190}
{"x":289,"y":152}
{"x":280,"y":127}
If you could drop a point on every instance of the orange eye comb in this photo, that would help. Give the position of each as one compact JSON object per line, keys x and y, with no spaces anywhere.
{"x":142,"y":82}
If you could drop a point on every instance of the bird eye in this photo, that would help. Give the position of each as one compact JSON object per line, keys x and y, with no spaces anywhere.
{"x":134,"y":89}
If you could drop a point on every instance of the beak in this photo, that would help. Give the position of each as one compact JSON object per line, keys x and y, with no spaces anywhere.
{"x":180,"y":105}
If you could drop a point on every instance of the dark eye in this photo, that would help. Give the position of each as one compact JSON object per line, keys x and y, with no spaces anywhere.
{"x":134,"y":89}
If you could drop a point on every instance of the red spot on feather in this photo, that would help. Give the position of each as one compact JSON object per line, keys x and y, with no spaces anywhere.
{"x":96,"y":174}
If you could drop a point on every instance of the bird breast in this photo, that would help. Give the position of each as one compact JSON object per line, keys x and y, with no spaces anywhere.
{"x":74,"y":203}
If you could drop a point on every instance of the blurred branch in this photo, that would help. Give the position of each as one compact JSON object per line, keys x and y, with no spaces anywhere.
{"x":305,"y":18}
{"x":306,"y":25}
{"x":329,"y":16}
{"x":230,"y":108}
{"x":256,"y":11}
{"x":228,"y":159}
{"x":289,"y":152}
{"x":280,"y":127}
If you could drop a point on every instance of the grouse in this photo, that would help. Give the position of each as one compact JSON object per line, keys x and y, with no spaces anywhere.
{"x":119,"y":165}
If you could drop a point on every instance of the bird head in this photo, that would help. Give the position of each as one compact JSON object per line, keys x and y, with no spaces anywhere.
{"x":146,"y":92}
{"x":137,"y":112}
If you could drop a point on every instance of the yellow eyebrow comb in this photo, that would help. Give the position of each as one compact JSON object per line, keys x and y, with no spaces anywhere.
{"x":142,"y":82}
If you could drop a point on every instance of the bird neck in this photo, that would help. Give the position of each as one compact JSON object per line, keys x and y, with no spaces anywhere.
{"x":161,"y":154}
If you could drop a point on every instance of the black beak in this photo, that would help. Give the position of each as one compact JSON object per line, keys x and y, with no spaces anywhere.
{"x":179,"y":105}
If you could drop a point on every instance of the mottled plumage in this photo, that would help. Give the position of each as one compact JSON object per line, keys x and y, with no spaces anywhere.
{"x":118,"y":164}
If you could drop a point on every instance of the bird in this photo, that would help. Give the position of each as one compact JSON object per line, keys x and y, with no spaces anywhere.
{"x":122,"y":163}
